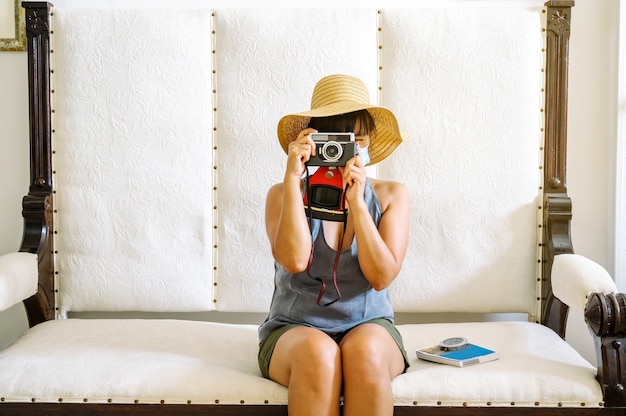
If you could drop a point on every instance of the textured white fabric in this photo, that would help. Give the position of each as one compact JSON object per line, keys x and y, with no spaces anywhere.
{"x":176,"y":220}
{"x":18,"y":278}
{"x":148,"y":360}
{"x":268,"y":62}
{"x":133,"y":159}
{"x":469,"y":94}
{"x":179,"y":361}
{"x":575,"y":277}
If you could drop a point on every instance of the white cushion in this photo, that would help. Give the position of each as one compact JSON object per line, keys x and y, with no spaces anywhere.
{"x":575,"y":277}
{"x":18,"y":278}
{"x":535,"y":366}
{"x":150,"y":361}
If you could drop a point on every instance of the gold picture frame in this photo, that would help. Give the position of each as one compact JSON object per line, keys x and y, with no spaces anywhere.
{"x":18,"y":42}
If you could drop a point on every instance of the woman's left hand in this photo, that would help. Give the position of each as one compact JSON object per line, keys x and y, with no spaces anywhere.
{"x":355,"y":176}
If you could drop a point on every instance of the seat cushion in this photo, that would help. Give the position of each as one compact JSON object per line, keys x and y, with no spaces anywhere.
{"x":536,"y":368}
{"x":177,"y":361}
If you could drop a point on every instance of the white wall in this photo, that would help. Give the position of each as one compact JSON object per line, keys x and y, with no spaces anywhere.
{"x":14,"y":173}
{"x":591,"y":153}
{"x":592,"y":132}
{"x":620,"y":155}
{"x":592,"y":141}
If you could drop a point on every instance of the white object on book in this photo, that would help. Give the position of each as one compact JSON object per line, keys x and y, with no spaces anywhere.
{"x":463,"y":356}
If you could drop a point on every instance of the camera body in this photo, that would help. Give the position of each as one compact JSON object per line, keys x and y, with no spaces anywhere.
{"x":324,"y":196}
{"x":332,"y":149}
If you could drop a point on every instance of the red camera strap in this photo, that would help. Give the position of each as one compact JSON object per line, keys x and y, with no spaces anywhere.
{"x":335,"y":265}
{"x":330,"y":177}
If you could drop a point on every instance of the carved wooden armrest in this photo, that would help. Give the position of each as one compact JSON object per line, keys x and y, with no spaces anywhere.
{"x":586,"y":286}
{"x":606,"y":316}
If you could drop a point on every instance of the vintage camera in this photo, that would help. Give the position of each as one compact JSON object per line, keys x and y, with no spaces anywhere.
{"x":332,"y":149}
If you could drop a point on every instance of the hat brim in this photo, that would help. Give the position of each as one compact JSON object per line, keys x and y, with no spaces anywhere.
{"x":383,"y":141}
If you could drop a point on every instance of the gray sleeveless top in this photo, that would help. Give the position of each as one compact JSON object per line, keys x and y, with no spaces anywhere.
{"x":294,"y":299}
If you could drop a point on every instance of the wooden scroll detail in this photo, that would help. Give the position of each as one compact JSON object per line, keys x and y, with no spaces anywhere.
{"x":606,"y":317}
{"x":37,"y":206}
{"x":557,"y":240}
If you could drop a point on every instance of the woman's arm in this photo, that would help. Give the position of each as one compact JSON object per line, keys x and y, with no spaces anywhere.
{"x":381,"y":250}
{"x":286,"y":224}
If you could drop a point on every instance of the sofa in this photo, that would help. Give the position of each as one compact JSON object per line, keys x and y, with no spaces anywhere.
{"x":144,"y":267}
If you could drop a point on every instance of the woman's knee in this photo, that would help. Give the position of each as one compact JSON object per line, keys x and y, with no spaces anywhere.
{"x":370,"y":350}
{"x":363,"y":343}
{"x":317,"y":350}
{"x":307,"y":352}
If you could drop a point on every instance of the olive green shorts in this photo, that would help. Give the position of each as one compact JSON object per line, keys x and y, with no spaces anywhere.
{"x":266,"y":347}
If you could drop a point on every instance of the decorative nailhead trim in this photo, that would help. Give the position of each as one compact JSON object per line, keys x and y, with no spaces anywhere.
{"x":57,"y":313}
{"x":443,"y":403}
{"x":379,"y":55}
{"x":539,"y":268}
{"x":215,"y":139}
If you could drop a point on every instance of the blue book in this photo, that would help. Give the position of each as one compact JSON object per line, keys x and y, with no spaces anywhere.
{"x":467,"y":355}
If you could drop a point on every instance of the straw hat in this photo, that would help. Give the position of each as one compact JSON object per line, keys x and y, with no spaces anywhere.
{"x":340,"y":94}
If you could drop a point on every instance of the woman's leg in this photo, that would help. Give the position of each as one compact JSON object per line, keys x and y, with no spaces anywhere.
{"x":371,"y":358}
{"x":308,"y":362}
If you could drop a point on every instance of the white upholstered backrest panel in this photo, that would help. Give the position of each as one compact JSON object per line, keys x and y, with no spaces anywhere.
{"x":133,"y":159}
{"x":170,"y":116}
{"x":467,"y":86}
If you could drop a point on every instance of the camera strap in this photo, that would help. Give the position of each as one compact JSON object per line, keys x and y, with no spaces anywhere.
{"x":335,"y":265}
{"x":339,"y":247}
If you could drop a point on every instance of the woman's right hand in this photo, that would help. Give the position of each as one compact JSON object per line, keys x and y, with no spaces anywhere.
{"x":299,"y":152}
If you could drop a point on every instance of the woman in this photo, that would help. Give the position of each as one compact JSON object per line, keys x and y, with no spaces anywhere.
{"x":348,"y":345}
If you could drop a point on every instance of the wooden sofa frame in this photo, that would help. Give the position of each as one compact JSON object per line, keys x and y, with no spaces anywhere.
{"x":606,"y":314}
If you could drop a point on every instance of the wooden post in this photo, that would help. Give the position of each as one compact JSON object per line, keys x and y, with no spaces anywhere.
{"x":37,"y":206}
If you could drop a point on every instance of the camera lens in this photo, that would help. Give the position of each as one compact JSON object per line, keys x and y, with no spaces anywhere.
{"x":332,"y":151}
{"x":325,"y":196}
